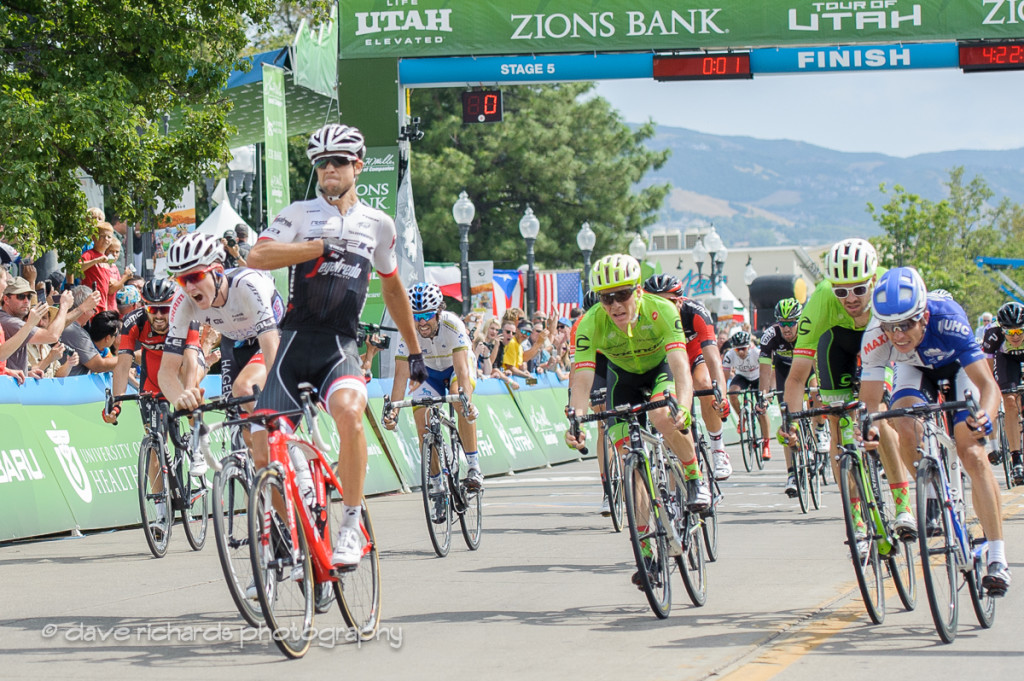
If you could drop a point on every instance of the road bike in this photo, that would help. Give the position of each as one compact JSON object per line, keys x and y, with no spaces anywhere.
{"x":662,"y":529}
{"x":709,"y":526}
{"x":869,"y":513}
{"x":291,"y":538}
{"x":953,"y":550}
{"x":165,"y":483}
{"x":751,"y":437}
{"x":612,"y":480}
{"x":441,"y":450}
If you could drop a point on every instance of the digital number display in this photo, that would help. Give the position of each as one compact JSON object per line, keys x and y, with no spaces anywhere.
{"x":481,"y":106}
{"x":703,"y":66}
{"x":995,"y":56}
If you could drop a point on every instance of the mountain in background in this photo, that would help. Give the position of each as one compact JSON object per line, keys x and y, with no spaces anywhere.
{"x":772,"y":192}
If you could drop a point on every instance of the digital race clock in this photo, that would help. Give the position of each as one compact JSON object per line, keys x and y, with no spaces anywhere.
{"x":703,"y":66}
{"x":991,"y":56}
{"x":481,"y":106}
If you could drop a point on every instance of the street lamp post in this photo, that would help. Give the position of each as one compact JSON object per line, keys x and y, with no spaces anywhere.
{"x":586,"y":240}
{"x":529,"y":228}
{"x":749,"y":275}
{"x":638,"y":248}
{"x":463,"y":212}
{"x":718,"y":253}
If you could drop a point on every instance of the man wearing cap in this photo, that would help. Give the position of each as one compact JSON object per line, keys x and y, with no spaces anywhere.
{"x":18,"y":300}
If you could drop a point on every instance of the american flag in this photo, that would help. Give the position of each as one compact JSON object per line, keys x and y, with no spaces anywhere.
{"x":559,"y":292}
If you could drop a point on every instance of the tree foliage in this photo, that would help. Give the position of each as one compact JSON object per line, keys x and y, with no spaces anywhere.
{"x":942,"y":239}
{"x":562,"y":152}
{"x":85,"y":84}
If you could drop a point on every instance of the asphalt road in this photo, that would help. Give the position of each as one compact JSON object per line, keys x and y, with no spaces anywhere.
{"x":548,"y":595}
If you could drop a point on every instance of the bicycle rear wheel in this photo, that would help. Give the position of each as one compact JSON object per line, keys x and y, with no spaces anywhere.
{"x":154,"y":507}
{"x":1004,"y":448}
{"x":862,"y":539}
{"x":812,"y":462}
{"x":281,"y":567}
{"x":195,"y":508}
{"x":937,"y":545}
{"x":691,"y":562}
{"x":358,"y":591}
{"x":231,"y":533}
{"x":436,"y":505}
{"x":613,"y":482}
{"x":650,"y":547}
{"x":709,"y":517}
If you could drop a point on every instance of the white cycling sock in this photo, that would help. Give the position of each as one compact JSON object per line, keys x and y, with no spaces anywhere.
{"x":351,"y":515}
{"x":716,"y":439}
{"x":997,"y":551}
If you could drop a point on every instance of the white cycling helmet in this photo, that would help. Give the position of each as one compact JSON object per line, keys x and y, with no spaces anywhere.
{"x":194,"y":250}
{"x":425,"y":297}
{"x":900,"y":295}
{"x":850,"y":261}
{"x":335,"y":139}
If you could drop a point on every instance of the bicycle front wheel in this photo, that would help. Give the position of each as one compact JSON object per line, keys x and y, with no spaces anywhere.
{"x":812,"y":463}
{"x":650,"y":547}
{"x":861,"y":537}
{"x":436,"y":504}
{"x":709,"y":517}
{"x":937,"y":544}
{"x":281,"y":567}
{"x":691,"y":562}
{"x":800,"y":472}
{"x":154,"y":497}
{"x":756,"y":437}
{"x":613,"y":482}
{"x":231,"y":533}
{"x":195,"y":508}
{"x":1004,"y":448}
{"x":900,"y":559}
{"x":748,"y":451}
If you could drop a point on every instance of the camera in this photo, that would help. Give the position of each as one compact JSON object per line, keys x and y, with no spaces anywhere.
{"x":229,"y":237}
{"x":380,"y":342}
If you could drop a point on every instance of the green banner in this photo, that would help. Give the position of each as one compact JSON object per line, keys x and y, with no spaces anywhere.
{"x":275,"y":126}
{"x":316,"y":57}
{"x":379,"y":28}
{"x":378,"y":182}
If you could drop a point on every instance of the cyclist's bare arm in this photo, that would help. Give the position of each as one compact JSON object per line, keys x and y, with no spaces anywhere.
{"x":119,"y":381}
{"x":176,"y":391}
{"x":990,"y":395}
{"x":796,"y":382}
{"x":397,"y":301}
{"x":679,"y":363}
{"x":268,"y":254}
{"x":400,"y":380}
{"x":269,"y":341}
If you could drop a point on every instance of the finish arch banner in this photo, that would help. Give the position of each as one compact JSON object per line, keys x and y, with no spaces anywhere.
{"x":418,"y":28}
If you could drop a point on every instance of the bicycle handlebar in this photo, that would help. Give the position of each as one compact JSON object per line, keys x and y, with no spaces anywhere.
{"x":837,"y":409}
{"x":922,"y":409}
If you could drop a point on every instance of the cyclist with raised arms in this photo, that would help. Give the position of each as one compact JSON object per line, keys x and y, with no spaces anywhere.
{"x":331,"y":244}
{"x":1003,"y":343}
{"x":930,"y":339}
{"x":777,"y":357}
{"x":444,"y":342}
{"x":829,"y":342}
{"x":642,"y":338}
{"x":705,"y":362}
{"x":240,"y":303}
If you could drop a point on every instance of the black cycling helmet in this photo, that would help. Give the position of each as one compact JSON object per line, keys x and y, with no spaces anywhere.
{"x":740,"y":339}
{"x":589,"y":300}
{"x":157,"y":291}
{"x":663,"y":283}
{"x":1011,"y":315}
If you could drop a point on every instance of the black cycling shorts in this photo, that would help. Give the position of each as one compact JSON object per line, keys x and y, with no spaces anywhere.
{"x":1007,"y":370}
{"x":838,"y":350}
{"x":328,"y":361}
{"x":741,"y":383}
{"x":234,"y":355}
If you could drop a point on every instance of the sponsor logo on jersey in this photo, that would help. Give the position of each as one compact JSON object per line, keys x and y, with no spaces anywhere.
{"x":955,"y":327}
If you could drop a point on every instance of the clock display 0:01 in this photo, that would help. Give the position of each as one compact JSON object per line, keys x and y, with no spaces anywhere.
{"x":703,"y":66}
{"x":994,"y":56}
{"x":481,"y":106}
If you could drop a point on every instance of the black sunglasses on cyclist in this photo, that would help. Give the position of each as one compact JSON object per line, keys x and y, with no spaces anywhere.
{"x":333,"y":161}
{"x":843,"y":291}
{"x":615,"y":296}
{"x":900,"y":327}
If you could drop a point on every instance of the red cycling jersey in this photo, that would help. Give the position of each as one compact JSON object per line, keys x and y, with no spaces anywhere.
{"x":136,"y":333}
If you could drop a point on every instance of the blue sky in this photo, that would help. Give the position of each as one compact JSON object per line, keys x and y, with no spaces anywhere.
{"x":899,"y":113}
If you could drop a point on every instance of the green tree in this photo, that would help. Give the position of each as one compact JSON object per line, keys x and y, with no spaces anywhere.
{"x":560,"y":150}
{"x":943,"y":238}
{"x":86,"y":84}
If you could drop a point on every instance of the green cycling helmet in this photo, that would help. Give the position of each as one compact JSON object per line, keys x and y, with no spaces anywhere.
{"x":788,"y":310}
{"x":613,"y":271}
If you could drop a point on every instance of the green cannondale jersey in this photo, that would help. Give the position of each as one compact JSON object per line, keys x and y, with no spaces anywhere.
{"x":658,"y":330}
{"x":822,"y":312}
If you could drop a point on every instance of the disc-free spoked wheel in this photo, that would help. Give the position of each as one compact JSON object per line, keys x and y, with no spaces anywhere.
{"x":709,"y":517}
{"x":195,"y":509}
{"x":231,"y":532}
{"x":154,"y":497}
{"x":650,"y":547}
{"x":436,"y":503}
{"x":281,"y":567}
{"x":861,"y":538}
{"x":613,"y":482}
{"x":938,"y":563}
{"x":358,"y":590}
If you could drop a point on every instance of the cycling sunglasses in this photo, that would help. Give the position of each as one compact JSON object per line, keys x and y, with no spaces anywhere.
{"x":787,"y":325}
{"x":615,"y":296}
{"x":424,"y":316}
{"x":158,"y":309}
{"x":843,"y":291}
{"x":333,"y":161}
{"x":900,"y":327}
{"x":1016,"y":333}
{"x":193,"y":277}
